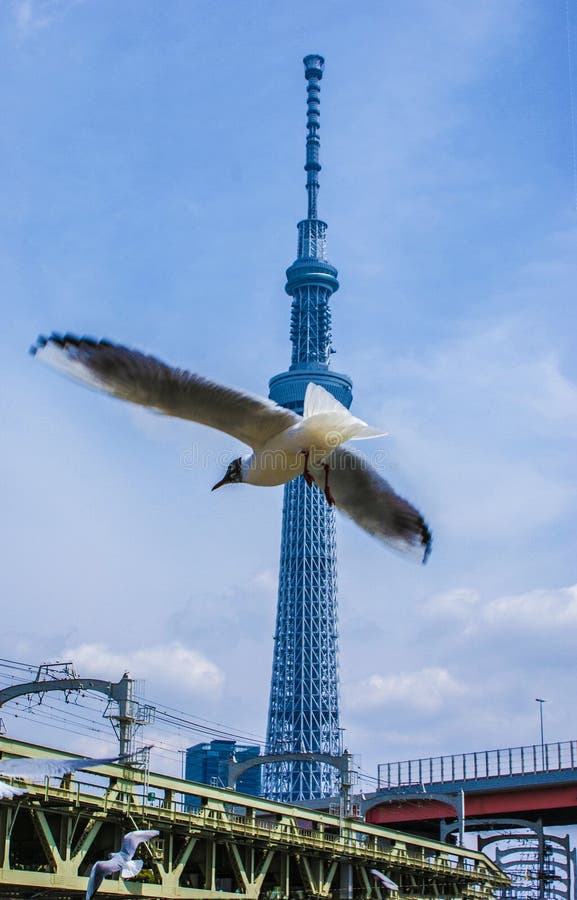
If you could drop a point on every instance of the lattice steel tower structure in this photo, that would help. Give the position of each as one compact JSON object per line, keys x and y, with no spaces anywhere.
{"x":304,"y":696}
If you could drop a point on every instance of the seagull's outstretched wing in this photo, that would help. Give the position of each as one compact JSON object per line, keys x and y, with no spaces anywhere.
{"x":385,"y":880}
{"x":147,"y":381}
{"x":37,"y":768}
{"x":361,"y":493}
{"x":99,"y":872}
{"x":132,"y":839}
{"x":119,"y":862}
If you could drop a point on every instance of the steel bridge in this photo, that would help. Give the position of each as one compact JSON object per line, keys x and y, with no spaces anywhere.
{"x":213,"y":843}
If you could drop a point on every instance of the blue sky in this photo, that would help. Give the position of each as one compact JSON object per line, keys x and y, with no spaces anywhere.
{"x":152,"y":181}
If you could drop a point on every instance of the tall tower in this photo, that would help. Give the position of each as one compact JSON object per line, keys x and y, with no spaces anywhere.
{"x":304,"y":695}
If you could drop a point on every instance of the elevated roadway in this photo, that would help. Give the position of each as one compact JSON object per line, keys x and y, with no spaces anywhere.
{"x":538,"y":782}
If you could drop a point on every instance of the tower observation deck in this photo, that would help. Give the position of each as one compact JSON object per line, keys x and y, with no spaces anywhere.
{"x":304,"y":694}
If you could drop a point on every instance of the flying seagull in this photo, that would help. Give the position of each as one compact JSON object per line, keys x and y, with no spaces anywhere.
{"x":122,"y":861}
{"x":37,"y":769}
{"x":385,"y":881}
{"x":284,"y":444}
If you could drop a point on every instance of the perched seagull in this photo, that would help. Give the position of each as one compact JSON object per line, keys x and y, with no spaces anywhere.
{"x":122,"y":861}
{"x":284,"y":444}
{"x":37,"y":769}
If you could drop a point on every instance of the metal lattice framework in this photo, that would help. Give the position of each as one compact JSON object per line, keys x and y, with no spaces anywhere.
{"x":311,"y":325}
{"x":538,"y":864}
{"x":304,"y":697}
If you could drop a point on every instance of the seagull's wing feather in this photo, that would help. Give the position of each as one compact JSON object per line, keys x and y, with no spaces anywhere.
{"x":361,"y":493}
{"x":145,"y":380}
{"x":37,"y":769}
{"x":386,"y":881}
{"x":132,"y":839}
{"x":98,"y":873}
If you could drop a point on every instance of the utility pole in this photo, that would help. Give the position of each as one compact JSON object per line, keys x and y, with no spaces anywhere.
{"x":541,"y":701}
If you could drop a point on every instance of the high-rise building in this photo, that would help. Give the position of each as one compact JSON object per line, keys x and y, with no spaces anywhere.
{"x":304,"y":695}
{"x":208,"y":764}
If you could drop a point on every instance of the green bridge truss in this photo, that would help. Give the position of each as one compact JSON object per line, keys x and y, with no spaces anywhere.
{"x":213,"y":843}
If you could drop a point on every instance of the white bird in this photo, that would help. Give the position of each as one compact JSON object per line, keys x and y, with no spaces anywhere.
{"x":37,"y":769}
{"x":122,"y":861}
{"x":385,"y":881}
{"x":284,"y":444}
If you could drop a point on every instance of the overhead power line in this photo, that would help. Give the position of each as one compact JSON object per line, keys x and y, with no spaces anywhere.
{"x":81,"y":715}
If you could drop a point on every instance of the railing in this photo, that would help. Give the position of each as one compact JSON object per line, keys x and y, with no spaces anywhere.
{"x":512,"y":761}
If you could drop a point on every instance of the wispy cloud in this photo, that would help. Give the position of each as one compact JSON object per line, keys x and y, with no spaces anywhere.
{"x":34,"y":15}
{"x":488,"y":656}
{"x":555,"y":606}
{"x":465,"y":618}
{"x":424,"y":691}
{"x":535,"y":611}
{"x":171,"y":665}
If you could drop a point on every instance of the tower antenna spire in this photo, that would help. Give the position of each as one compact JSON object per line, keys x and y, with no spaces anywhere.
{"x":304,"y":694}
{"x":314,"y":65}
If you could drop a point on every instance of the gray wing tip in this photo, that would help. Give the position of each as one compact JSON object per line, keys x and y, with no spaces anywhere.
{"x":67,"y":340}
{"x":41,"y":342}
{"x":426,"y":541}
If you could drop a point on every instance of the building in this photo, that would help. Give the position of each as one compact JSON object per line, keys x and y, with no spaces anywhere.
{"x":304,"y":695}
{"x":208,"y":764}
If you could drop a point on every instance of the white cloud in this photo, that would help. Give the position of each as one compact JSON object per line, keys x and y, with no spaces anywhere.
{"x":536,"y":610}
{"x":458,"y":603}
{"x":266,"y":582}
{"x":499,"y":363}
{"x":463,"y":614}
{"x":170,"y":665}
{"x":557,"y":395}
{"x":501,"y":632}
{"x":426,"y":690}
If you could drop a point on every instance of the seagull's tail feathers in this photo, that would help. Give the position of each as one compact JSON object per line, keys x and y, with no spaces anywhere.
{"x":318,"y":400}
{"x":330,"y":415}
{"x":362,"y":431}
{"x":131,"y":868}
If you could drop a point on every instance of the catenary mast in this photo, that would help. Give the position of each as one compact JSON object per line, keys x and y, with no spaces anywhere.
{"x":304,"y":694}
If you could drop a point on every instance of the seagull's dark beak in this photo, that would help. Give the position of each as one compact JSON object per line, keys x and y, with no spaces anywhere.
{"x":219,"y":484}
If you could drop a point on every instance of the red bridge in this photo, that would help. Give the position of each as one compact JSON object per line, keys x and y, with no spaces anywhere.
{"x":538,"y":782}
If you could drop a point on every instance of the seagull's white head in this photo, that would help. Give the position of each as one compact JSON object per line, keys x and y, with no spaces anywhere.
{"x":233,"y":474}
